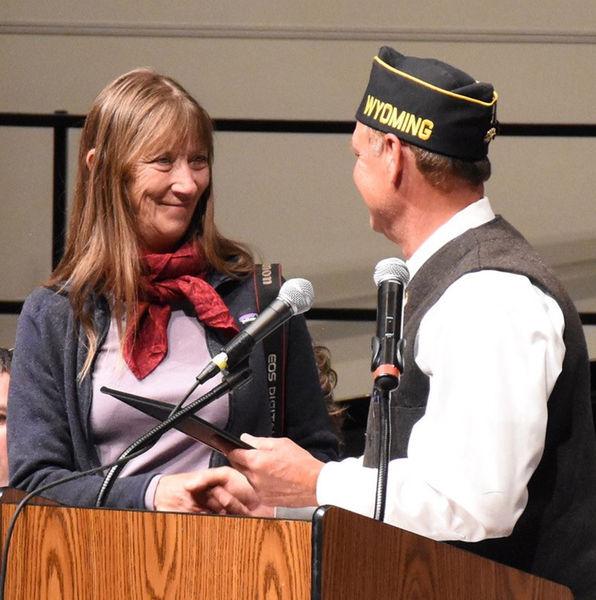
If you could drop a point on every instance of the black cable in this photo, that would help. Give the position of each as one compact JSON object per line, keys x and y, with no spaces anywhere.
{"x":186,"y":397}
{"x":382,"y":396}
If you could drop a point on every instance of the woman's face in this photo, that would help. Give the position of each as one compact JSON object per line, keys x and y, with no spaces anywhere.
{"x":165,"y":189}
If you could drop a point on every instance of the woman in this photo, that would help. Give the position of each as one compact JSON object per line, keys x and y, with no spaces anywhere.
{"x":147,"y":291}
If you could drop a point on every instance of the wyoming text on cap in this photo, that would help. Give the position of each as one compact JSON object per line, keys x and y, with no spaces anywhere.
{"x":430,"y":104}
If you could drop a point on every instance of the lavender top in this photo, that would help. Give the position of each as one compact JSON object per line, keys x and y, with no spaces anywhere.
{"x":115,"y":425}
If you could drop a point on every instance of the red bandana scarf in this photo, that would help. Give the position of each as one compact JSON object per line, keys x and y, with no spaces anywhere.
{"x":172,"y":278}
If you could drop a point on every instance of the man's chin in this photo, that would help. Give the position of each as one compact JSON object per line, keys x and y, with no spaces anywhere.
{"x":376,"y":224}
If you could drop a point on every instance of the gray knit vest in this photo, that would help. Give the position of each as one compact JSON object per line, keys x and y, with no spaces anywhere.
{"x":556,"y":535}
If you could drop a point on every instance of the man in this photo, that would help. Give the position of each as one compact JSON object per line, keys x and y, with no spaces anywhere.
{"x":5,"y":361}
{"x":493,"y":444}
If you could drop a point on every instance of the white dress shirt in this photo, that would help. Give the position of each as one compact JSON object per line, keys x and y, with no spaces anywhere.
{"x":492,"y":348}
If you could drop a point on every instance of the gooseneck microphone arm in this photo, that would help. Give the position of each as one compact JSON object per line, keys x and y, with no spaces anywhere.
{"x":143,"y":443}
{"x":391,"y":276}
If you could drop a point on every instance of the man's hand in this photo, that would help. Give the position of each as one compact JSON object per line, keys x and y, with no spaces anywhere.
{"x":281,"y":472}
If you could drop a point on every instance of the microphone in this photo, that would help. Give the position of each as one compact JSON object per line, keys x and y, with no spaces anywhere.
{"x":295,"y":297}
{"x":391,"y":276}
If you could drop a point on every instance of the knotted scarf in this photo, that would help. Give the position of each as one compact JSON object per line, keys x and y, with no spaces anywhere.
{"x":170,"y":280}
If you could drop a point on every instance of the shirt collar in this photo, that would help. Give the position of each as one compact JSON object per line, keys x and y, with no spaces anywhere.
{"x":474,"y":215}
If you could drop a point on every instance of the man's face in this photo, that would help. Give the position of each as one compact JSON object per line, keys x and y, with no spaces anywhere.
{"x":4,"y":379}
{"x":370,"y":175}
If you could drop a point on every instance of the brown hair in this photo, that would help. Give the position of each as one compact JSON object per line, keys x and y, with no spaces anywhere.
{"x":439,"y":170}
{"x":5,"y":360}
{"x":136,"y":112}
{"x":328,"y":381}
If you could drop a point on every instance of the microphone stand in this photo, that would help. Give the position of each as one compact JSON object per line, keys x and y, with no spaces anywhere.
{"x":386,"y":381}
{"x":143,"y":443}
{"x":391,"y":276}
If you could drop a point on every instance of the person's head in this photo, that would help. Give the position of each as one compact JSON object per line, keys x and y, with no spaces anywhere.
{"x":143,"y":184}
{"x":144,"y":118}
{"x":149,"y":144}
{"x":442,"y":114}
{"x":5,"y":362}
{"x":144,"y":180}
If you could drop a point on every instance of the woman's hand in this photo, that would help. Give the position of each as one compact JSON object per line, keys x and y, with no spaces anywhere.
{"x":222,"y":490}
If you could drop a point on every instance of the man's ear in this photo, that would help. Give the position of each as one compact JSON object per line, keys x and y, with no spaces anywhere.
{"x":393,"y":155}
{"x":89,"y":158}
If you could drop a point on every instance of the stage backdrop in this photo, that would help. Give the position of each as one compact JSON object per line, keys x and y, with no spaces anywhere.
{"x":291,"y":195}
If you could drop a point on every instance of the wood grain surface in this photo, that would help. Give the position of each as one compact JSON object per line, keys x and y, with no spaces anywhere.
{"x":97,"y":554}
{"x":365,"y":559}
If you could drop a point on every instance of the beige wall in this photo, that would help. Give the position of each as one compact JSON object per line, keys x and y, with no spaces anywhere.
{"x":291,"y":196}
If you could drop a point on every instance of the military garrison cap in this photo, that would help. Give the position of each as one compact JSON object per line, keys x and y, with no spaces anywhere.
{"x":430,"y":104}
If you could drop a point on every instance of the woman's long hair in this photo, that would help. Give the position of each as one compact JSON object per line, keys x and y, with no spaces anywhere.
{"x":138,"y":111}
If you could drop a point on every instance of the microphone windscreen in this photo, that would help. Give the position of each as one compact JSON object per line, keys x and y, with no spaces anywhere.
{"x":298,"y":294}
{"x":391,"y":269}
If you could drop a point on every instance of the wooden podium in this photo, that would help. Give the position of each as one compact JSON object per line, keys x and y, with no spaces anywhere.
{"x":63,"y":553}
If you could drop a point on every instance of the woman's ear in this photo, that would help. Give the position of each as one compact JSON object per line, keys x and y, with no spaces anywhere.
{"x":89,"y":158}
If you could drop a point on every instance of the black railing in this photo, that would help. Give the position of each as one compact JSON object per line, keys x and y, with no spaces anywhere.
{"x":61,"y":122}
